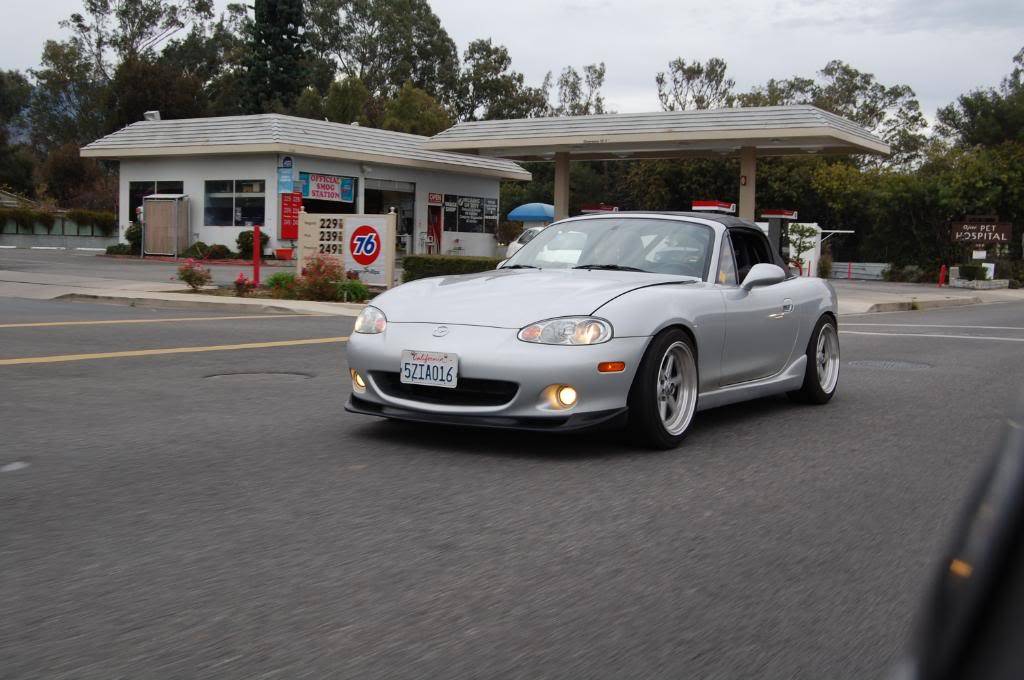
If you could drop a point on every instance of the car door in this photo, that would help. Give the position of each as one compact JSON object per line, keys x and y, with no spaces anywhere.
{"x":760,"y":324}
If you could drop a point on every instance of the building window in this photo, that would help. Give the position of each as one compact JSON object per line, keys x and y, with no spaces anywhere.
{"x":139,"y":190}
{"x":234,"y":202}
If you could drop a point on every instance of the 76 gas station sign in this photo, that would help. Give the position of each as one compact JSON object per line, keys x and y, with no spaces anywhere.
{"x":361,"y":243}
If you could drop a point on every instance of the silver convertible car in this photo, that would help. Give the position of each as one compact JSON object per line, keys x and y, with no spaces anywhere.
{"x":622,"y":318}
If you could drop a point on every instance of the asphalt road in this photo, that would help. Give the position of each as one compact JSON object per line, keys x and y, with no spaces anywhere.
{"x":213,"y":513}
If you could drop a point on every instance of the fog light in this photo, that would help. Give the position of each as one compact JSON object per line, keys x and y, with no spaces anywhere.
{"x":358,"y":384}
{"x":566,"y":395}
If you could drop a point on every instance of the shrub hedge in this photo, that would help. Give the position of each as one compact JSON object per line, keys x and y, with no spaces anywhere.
{"x":972,"y":272}
{"x":26,"y":218}
{"x":103,"y":222}
{"x":423,"y":266}
{"x":244,"y":242}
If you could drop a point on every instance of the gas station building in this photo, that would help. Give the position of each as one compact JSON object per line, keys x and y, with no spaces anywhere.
{"x":243,"y":170}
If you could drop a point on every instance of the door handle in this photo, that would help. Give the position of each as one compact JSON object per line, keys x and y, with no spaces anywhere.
{"x":787,"y":306}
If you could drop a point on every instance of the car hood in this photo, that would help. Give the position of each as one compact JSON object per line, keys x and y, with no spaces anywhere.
{"x":511,"y":298}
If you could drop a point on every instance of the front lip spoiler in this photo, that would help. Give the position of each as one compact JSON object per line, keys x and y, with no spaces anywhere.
{"x":576,"y":421}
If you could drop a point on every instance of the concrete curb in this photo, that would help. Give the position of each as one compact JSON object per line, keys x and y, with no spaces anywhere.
{"x":336,"y":309}
{"x":912,"y":305}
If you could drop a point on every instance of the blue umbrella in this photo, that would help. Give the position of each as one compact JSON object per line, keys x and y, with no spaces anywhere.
{"x":533,"y":212}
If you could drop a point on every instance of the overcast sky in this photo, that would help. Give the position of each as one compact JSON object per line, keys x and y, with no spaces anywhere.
{"x":941,"y":48}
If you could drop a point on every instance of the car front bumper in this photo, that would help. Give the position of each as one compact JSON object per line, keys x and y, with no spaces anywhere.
{"x":496,"y":354}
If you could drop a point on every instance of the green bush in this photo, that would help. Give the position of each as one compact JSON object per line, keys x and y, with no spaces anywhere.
{"x":972,"y":272}
{"x":26,"y":218}
{"x":119,"y":249}
{"x":133,"y":234}
{"x":1014,"y":283}
{"x":422,"y":266}
{"x":244,"y":242}
{"x":352,"y":290}
{"x":194,"y":275}
{"x":825,"y":264}
{"x":320,"y":279}
{"x":196,"y":251}
{"x":219,"y":251}
{"x":282,"y":285}
{"x":103,"y":222}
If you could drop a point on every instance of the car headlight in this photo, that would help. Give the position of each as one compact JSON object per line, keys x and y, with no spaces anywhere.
{"x":371,"y":320}
{"x":570,"y":330}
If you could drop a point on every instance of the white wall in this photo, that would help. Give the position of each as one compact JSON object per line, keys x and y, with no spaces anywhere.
{"x":195,"y":170}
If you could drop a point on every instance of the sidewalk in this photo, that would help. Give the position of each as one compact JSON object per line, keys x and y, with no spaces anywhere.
{"x":36,"y":286}
{"x":862,"y":297}
{"x":855,"y":297}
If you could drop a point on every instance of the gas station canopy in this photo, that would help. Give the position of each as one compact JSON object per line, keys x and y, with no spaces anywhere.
{"x":749,"y":133}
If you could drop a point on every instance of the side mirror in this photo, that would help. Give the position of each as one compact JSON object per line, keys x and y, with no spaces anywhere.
{"x":501,"y":264}
{"x":763,"y":274}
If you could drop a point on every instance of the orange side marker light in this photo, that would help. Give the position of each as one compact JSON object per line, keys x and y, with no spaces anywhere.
{"x":611,"y":367}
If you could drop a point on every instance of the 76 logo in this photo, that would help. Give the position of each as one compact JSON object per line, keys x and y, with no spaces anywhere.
{"x":365,"y":244}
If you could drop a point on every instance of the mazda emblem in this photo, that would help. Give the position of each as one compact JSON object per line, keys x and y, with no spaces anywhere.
{"x":440,"y":331}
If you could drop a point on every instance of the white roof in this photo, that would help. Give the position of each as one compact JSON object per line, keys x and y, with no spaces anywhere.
{"x":276,"y":133}
{"x":772,"y":130}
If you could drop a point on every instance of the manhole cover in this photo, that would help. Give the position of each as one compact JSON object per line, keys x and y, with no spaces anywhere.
{"x":890,"y":365}
{"x":261,"y":377}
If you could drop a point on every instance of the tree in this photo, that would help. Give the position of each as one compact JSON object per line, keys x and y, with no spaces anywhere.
{"x":75,"y":181}
{"x":416,"y":112}
{"x":385,"y":43}
{"x":277,"y":65}
{"x":891,"y":111}
{"x":129,"y":28}
{"x":580,"y":95}
{"x":346,"y":102}
{"x":67,"y":102}
{"x":16,"y":163}
{"x":695,"y":85}
{"x":801,"y":239}
{"x":490,"y":90}
{"x":143,"y":84}
{"x":988,"y":117}
{"x":309,"y":105}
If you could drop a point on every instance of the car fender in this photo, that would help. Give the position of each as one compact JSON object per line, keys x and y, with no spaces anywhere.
{"x":697,"y":307}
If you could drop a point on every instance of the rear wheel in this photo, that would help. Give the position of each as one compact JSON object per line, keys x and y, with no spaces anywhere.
{"x":663,"y":397}
{"x":822,"y":374}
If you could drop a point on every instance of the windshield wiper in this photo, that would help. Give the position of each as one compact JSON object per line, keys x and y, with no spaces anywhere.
{"x":520,"y":266}
{"x":611,"y":267}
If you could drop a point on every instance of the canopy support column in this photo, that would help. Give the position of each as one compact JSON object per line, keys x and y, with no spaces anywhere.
{"x":748,"y":182}
{"x":561,"y":185}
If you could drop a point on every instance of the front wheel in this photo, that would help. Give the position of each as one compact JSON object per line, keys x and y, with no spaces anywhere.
{"x":822,"y":374}
{"x":663,"y":397}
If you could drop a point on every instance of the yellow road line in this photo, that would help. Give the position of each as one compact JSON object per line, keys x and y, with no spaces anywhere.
{"x":106,"y":322}
{"x":168,"y":350}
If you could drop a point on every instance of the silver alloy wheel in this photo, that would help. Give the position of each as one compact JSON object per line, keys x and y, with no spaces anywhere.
{"x":827,"y":358}
{"x":677,"y":388}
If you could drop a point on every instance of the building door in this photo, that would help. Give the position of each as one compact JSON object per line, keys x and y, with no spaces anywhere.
{"x":434,"y":229}
{"x":381,"y":195}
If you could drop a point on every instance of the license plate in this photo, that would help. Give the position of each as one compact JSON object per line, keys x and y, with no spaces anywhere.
{"x":439,"y":369}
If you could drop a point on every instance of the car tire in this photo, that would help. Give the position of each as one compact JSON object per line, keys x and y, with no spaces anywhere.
{"x":821,"y":377}
{"x":663,"y":397}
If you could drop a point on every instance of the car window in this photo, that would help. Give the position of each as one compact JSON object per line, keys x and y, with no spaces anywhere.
{"x":528,"y":235}
{"x":750,"y":248}
{"x":665,"y":246}
{"x":726,"y":263}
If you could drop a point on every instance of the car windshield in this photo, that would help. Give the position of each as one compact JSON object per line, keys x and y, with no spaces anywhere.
{"x":663,"y":246}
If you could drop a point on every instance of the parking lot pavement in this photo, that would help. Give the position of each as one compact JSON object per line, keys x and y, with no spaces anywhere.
{"x":215,"y":514}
